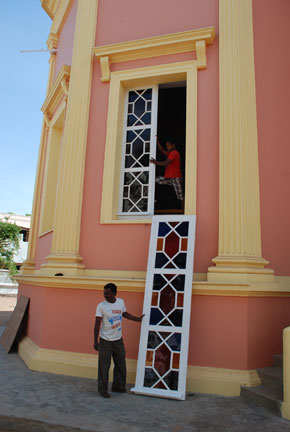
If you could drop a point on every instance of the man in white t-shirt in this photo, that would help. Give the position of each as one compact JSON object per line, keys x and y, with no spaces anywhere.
{"x":110,"y":313}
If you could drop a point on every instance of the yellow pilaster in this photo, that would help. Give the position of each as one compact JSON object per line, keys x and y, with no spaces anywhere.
{"x":286,"y":374}
{"x":28,"y":264}
{"x":67,"y":217}
{"x":239,"y":255}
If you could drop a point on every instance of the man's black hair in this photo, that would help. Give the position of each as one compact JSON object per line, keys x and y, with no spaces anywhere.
{"x":112,"y":287}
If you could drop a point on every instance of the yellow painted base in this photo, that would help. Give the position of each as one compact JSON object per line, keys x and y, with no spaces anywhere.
{"x":209,"y":380}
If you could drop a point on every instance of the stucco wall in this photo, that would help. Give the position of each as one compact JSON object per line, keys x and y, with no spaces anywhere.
{"x":272,"y":65}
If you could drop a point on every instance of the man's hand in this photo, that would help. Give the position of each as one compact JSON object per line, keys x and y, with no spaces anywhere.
{"x":151,"y":160}
{"x":96,"y":346}
{"x":139,"y":319}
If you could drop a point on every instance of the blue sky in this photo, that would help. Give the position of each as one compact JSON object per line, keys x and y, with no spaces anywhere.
{"x":23,"y":25}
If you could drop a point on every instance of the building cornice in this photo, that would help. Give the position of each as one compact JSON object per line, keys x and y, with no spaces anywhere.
{"x":192,"y":40}
{"x":96,"y":282}
{"x":57,"y":91}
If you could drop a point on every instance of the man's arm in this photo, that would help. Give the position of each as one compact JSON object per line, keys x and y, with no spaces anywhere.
{"x":161,"y":149}
{"x":96,"y":332}
{"x":132,"y":317}
{"x":163,"y":163}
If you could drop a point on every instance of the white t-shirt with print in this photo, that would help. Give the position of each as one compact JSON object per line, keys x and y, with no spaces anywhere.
{"x":111,"y":314}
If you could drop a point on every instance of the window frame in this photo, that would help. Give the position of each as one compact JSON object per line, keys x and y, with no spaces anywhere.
{"x":120,"y":82}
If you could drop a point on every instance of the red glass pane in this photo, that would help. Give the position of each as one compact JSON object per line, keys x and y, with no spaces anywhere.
{"x":167,"y":299}
{"x":160,"y":244}
{"x":162,"y":359}
{"x":160,"y":385}
{"x":175,"y":361}
{"x":154,"y":301}
{"x":172,"y":244}
{"x":184,"y":244}
{"x":180,"y":299}
{"x":149,"y":358}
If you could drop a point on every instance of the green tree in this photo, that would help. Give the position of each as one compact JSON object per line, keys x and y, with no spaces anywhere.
{"x":9,"y":245}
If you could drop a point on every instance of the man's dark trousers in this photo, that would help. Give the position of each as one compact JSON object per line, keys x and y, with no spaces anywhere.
{"x":108,"y":349}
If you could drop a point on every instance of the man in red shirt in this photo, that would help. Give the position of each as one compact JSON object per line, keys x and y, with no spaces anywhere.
{"x":172,"y":175}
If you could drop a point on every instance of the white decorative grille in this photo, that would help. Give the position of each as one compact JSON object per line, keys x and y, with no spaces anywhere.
{"x":162,"y":360}
{"x":137,"y":177}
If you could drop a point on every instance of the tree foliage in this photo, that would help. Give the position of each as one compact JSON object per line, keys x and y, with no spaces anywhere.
{"x":9,"y":245}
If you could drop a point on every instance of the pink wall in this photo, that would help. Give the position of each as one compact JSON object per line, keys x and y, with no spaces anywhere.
{"x":107,"y":246}
{"x":272,"y":64}
{"x":225,"y":332}
{"x":66,"y":40}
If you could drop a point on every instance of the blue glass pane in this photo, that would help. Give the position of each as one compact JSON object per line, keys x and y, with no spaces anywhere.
{"x":147,"y":94}
{"x":161,"y":259}
{"x":172,"y":380}
{"x":153,"y":340}
{"x":180,"y":260}
{"x":150,"y":377}
{"x":145,"y":135}
{"x":176,"y":317}
{"x":133,"y":96}
{"x":146,"y":118}
{"x":163,"y":229}
{"x":139,"y":107}
{"x":130,"y":136}
{"x":155,"y":316}
{"x":158,"y":282}
{"x":131,"y":120}
{"x":174,"y":342}
{"x":178,"y":282}
{"x":182,"y":229}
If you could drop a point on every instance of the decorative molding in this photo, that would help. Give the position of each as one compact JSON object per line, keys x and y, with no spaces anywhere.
{"x":226,"y":382}
{"x":50,"y":7}
{"x":68,"y":204}
{"x":135,"y":282}
{"x":57,"y":10}
{"x":57,"y":92}
{"x":192,"y":40}
{"x":181,"y":71}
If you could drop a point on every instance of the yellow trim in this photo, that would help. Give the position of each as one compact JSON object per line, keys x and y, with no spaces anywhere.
{"x":58,"y":90}
{"x":60,"y":15}
{"x":144,"y":77}
{"x":51,"y":43}
{"x":210,"y":380}
{"x":67,"y":215}
{"x":239,"y":255}
{"x":50,"y":7}
{"x":155,"y":46}
{"x":29,"y":263}
{"x":51,"y":170}
{"x":57,"y":10}
{"x":286,"y":374}
{"x":135,"y":282}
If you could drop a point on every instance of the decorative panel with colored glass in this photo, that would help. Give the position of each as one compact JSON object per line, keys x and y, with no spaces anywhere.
{"x":137,"y":174}
{"x":162,"y":360}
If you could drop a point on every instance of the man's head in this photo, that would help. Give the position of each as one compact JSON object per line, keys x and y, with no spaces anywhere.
{"x":170,"y":146}
{"x":110,"y":291}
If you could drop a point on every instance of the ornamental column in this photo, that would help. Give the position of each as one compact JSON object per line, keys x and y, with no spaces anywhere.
{"x":67,"y":217}
{"x":239,"y":256}
{"x":28,"y":264}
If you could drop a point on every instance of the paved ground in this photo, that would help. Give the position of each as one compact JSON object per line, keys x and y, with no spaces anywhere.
{"x":41,"y":402}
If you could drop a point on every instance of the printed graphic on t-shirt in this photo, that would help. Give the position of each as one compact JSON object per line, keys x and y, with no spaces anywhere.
{"x":115,"y":321}
{"x":111,"y":328}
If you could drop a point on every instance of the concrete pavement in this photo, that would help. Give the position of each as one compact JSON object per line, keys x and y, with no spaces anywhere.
{"x":40,"y":402}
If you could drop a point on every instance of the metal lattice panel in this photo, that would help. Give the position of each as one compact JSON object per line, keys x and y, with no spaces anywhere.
{"x":162,"y":361}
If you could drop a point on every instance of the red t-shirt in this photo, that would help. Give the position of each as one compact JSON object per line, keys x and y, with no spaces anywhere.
{"x":173,"y":169}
